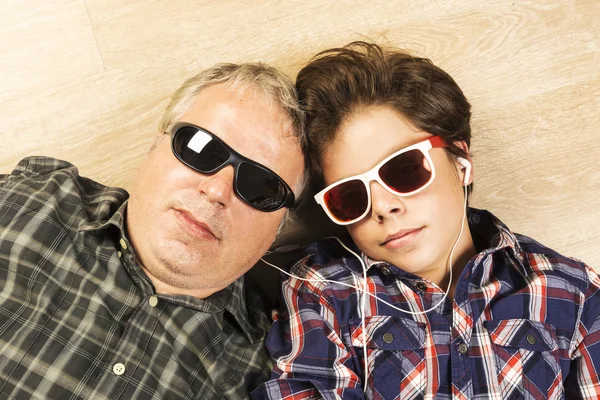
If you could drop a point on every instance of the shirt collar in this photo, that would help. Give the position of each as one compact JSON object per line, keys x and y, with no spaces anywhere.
{"x":117,"y":219}
{"x":370,"y":262}
{"x":497,"y":236}
{"x":231,"y":299}
{"x":493,"y":231}
{"x":239,"y":309}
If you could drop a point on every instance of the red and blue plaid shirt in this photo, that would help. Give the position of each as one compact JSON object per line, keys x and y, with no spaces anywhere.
{"x":524,"y":323}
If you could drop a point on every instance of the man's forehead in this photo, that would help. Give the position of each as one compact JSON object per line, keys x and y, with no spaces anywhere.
{"x":246,"y":121}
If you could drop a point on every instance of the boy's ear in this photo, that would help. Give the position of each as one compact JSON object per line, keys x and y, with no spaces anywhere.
{"x":461,"y":144}
{"x":465,"y":162}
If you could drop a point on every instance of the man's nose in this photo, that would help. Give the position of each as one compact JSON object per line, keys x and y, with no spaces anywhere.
{"x":384,"y":204}
{"x":218,"y":188}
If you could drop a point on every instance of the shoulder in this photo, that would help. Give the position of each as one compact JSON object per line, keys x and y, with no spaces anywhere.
{"x":51,"y":186}
{"x":321,"y":263}
{"x":47,"y":172}
{"x":39,"y":166}
{"x":39,"y":169}
{"x":539,"y":259}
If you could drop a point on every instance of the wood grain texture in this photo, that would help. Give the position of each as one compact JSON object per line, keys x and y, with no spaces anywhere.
{"x":44,"y":44}
{"x":87,"y":81}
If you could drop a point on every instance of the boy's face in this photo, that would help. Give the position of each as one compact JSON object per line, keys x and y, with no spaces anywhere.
{"x":424,"y":225}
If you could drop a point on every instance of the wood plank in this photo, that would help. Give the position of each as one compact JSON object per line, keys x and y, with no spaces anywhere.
{"x":536,"y":166}
{"x":103,"y":123}
{"x":45,"y":44}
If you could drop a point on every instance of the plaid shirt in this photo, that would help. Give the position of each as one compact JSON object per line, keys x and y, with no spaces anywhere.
{"x":79,"y":319}
{"x":525,"y":323}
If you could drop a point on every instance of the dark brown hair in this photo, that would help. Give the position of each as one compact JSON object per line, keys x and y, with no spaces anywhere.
{"x":341,"y":81}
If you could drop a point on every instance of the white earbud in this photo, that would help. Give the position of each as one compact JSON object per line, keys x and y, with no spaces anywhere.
{"x":467,"y":166}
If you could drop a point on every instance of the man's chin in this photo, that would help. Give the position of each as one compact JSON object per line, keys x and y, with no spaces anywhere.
{"x":180,"y":256}
{"x":183,"y":246}
{"x":179,"y":273}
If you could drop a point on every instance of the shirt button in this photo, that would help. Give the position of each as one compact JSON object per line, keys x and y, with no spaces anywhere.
{"x":421,"y":286}
{"x":531,"y":339}
{"x":123,"y":244}
{"x":388,"y":337}
{"x":153,"y":301}
{"x":385,"y":270}
{"x":119,"y":369}
{"x":462,"y":348}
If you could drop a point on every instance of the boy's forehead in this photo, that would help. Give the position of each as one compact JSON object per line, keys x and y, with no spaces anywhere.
{"x":378,"y":128}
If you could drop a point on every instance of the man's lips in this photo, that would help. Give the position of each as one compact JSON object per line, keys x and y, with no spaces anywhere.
{"x":401,"y":238}
{"x":194,"y":225}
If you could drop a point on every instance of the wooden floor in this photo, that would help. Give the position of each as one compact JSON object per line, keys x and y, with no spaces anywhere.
{"x":87,"y":81}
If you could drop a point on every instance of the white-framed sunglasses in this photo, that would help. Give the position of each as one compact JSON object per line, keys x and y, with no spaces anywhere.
{"x":403,"y":173}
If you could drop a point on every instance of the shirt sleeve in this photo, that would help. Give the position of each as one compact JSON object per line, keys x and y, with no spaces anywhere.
{"x":26,"y":167}
{"x":583,"y":381}
{"x":310,"y":358}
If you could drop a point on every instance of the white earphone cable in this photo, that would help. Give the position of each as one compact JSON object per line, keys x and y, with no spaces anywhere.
{"x":365,"y":291}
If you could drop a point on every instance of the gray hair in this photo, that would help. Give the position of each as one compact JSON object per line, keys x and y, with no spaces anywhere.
{"x":265,"y":81}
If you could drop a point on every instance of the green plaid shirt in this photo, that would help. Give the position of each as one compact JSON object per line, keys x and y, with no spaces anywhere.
{"x":80,"y":320}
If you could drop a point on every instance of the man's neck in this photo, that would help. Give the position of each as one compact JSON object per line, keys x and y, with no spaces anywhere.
{"x":162,"y":287}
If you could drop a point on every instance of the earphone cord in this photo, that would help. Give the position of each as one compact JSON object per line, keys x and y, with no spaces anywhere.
{"x":365,"y":291}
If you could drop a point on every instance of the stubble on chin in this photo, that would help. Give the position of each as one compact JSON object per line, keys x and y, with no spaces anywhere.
{"x":179,"y":266}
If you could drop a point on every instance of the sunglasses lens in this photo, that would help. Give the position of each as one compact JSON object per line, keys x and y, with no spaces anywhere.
{"x":406,"y":172}
{"x":261,"y":188}
{"x":256,"y":185}
{"x":347,"y":201}
{"x":199,"y":150}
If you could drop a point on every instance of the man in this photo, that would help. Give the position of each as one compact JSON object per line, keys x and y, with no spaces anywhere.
{"x":106,"y":295}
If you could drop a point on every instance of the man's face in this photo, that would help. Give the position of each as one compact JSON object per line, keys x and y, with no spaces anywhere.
{"x":190,"y":231}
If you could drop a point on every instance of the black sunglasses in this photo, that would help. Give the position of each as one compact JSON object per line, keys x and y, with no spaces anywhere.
{"x":255,"y":184}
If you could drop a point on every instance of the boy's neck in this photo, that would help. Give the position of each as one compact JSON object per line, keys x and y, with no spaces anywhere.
{"x":457,"y":269}
{"x":464,"y":251}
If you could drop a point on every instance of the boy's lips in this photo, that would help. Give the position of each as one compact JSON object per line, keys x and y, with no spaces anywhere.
{"x":400,"y":238}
